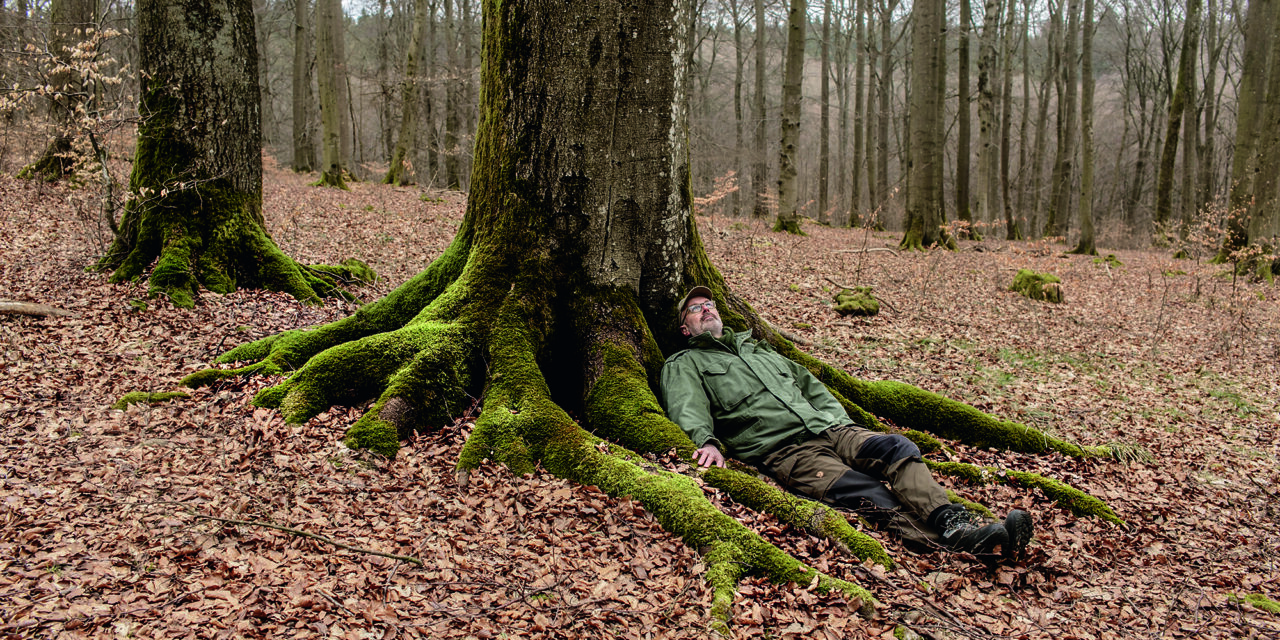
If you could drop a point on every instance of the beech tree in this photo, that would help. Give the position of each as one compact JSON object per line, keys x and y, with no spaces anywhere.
{"x":332,"y":83}
{"x":401,"y":172}
{"x":304,"y":146}
{"x":196,"y":209}
{"x":556,"y":302}
{"x":924,"y":195}
{"x":792,"y":81}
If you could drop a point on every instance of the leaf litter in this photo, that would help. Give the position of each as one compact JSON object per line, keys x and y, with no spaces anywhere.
{"x":100,"y":534}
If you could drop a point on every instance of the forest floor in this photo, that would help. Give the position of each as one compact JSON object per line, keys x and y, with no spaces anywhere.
{"x":109,"y":519}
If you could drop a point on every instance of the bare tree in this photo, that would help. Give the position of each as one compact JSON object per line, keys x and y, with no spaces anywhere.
{"x":304,"y":146}
{"x":792,"y":80}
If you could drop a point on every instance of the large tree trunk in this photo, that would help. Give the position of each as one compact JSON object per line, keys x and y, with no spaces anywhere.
{"x":1250,"y":116}
{"x":792,"y":79}
{"x":304,"y":146}
{"x":69,"y":24}
{"x":401,"y":171}
{"x":332,"y":93}
{"x":924,"y":196}
{"x":558,"y":295}
{"x":197,"y":174}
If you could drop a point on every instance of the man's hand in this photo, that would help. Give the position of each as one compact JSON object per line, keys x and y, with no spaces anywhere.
{"x":709,"y":455}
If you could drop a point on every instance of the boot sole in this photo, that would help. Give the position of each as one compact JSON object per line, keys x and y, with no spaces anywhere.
{"x":1018,"y":524}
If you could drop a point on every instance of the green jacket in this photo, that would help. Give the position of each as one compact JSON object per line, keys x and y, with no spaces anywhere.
{"x":743,"y":397}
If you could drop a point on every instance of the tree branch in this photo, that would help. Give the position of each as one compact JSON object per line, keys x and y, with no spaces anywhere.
{"x":304,"y":534}
{"x":31,"y":309}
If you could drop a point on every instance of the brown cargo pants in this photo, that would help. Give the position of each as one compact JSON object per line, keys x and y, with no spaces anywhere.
{"x":848,"y":467}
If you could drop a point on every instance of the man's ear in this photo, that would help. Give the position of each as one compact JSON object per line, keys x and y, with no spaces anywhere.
{"x":685,"y":330}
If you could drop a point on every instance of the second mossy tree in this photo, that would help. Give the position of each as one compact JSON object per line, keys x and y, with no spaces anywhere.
{"x":196,"y":188}
{"x":555,"y":302}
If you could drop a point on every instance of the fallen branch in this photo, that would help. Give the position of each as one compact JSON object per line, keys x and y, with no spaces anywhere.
{"x":867,"y":250}
{"x":304,"y":534}
{"x":31,"y":309}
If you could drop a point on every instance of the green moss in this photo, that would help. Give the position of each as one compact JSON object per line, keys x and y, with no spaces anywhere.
{"x":1037,"y":286}
{"x":975,"y":507}
{"x":378,"y":436}
{"x":1259,"y":601}
{"x":141,"y":397}
{"x":858,"y":301}
{"x":804,"y":514}
{"x":207,"y":377}
{"x":1079,"y":502}
{"x":1110,"y":260}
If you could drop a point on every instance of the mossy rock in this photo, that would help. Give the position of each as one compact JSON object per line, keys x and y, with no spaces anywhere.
{"x":1037,"y":286}
{"x":1110,"y":260}
{"x":139,"y":397}
{"x":856,"y":302}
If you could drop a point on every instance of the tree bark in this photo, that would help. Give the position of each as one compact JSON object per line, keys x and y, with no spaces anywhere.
{"x":304,"y":146}
{"x":964,"y":122}
{"x":987,"y":144}
{"x":924,"y":198}
{"x":824,"y":120}
{"x":1249,"y":117}
{"x":197,"y":176}
{"x":1012,"y":231}
{"x":1177,"y":111}
{"x":332,"y":93}
{"x":857,"y":171}
{"x":760,"y":168}
{"x":401,"y":171}
{"x":788,"y":219}
{"x":739,"y":118}
{"x":1086,"y":243}
{"x":264,"y":75}
{"x":1064,"y":162}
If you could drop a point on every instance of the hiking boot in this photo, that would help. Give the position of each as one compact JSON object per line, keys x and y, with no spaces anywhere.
{"x":965,"y":531}
{"x":1019,"y":527}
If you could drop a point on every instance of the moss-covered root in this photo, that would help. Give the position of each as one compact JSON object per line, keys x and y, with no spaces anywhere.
{"x":724,"y":571}
{"x":283,"y":352}
{"x":420,"y":363}
{"x":1079,"y":502}
{"x":141,"y":397}
{"x":813,"y":517}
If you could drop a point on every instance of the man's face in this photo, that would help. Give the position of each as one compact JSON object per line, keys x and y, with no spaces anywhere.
{"x":705,"y":319}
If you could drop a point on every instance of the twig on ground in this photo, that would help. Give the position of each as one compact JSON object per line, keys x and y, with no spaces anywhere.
{"x":867,"y":250}
{"x":313,"y":536}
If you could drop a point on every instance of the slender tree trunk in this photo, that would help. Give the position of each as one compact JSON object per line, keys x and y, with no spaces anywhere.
{"x":1209,"y":98}
{"x":760,"y":168}
{"x":987,"y":144}
{"x":197,"y":176}
{"x":1011,"y":229}
{"x":452,"y":100}
{"x":824,"y":124}
{"x":304,"y":146}
{"x":964,"y":120}
{"x":264,"y":76}
{"x":856,"y":172}
{"x":1264,"y":221}
{"x":1047,"y":83}
{"x":1086,"y":244}
{"x":427,"y":94}
{"x":386,"y":132}
{"x":1178,"y":107}
{"x":332,"y":95}
{"x":401,"y":171}
{"x":1064,"y":166}
{"x":792,"y":79}
{"x":739,"y":64}
{"x":69,"y":25}
{"x":1026,"y":112}
{"x":883,"y":94}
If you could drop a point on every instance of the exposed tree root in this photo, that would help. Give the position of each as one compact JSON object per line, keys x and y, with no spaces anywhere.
{"x":1079,"y":502}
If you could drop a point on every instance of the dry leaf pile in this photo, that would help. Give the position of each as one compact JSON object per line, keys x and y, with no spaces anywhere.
{"x":116,"y":523}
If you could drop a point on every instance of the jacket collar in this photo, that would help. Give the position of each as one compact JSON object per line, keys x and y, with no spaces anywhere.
{"x":730,"y":340}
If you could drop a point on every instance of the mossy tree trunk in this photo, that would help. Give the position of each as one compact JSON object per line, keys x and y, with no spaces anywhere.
{"x":557,"y":295}
{"x":69,"y":25}
{"x":197,"y":175}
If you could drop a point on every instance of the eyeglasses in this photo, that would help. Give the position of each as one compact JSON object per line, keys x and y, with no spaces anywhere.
{"x":697,"y":308}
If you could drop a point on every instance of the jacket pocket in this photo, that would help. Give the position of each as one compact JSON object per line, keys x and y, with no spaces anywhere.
{"x":725,"y":385}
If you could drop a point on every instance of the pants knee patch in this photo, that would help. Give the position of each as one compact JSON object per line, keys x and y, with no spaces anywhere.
{"x":889,"y":448}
